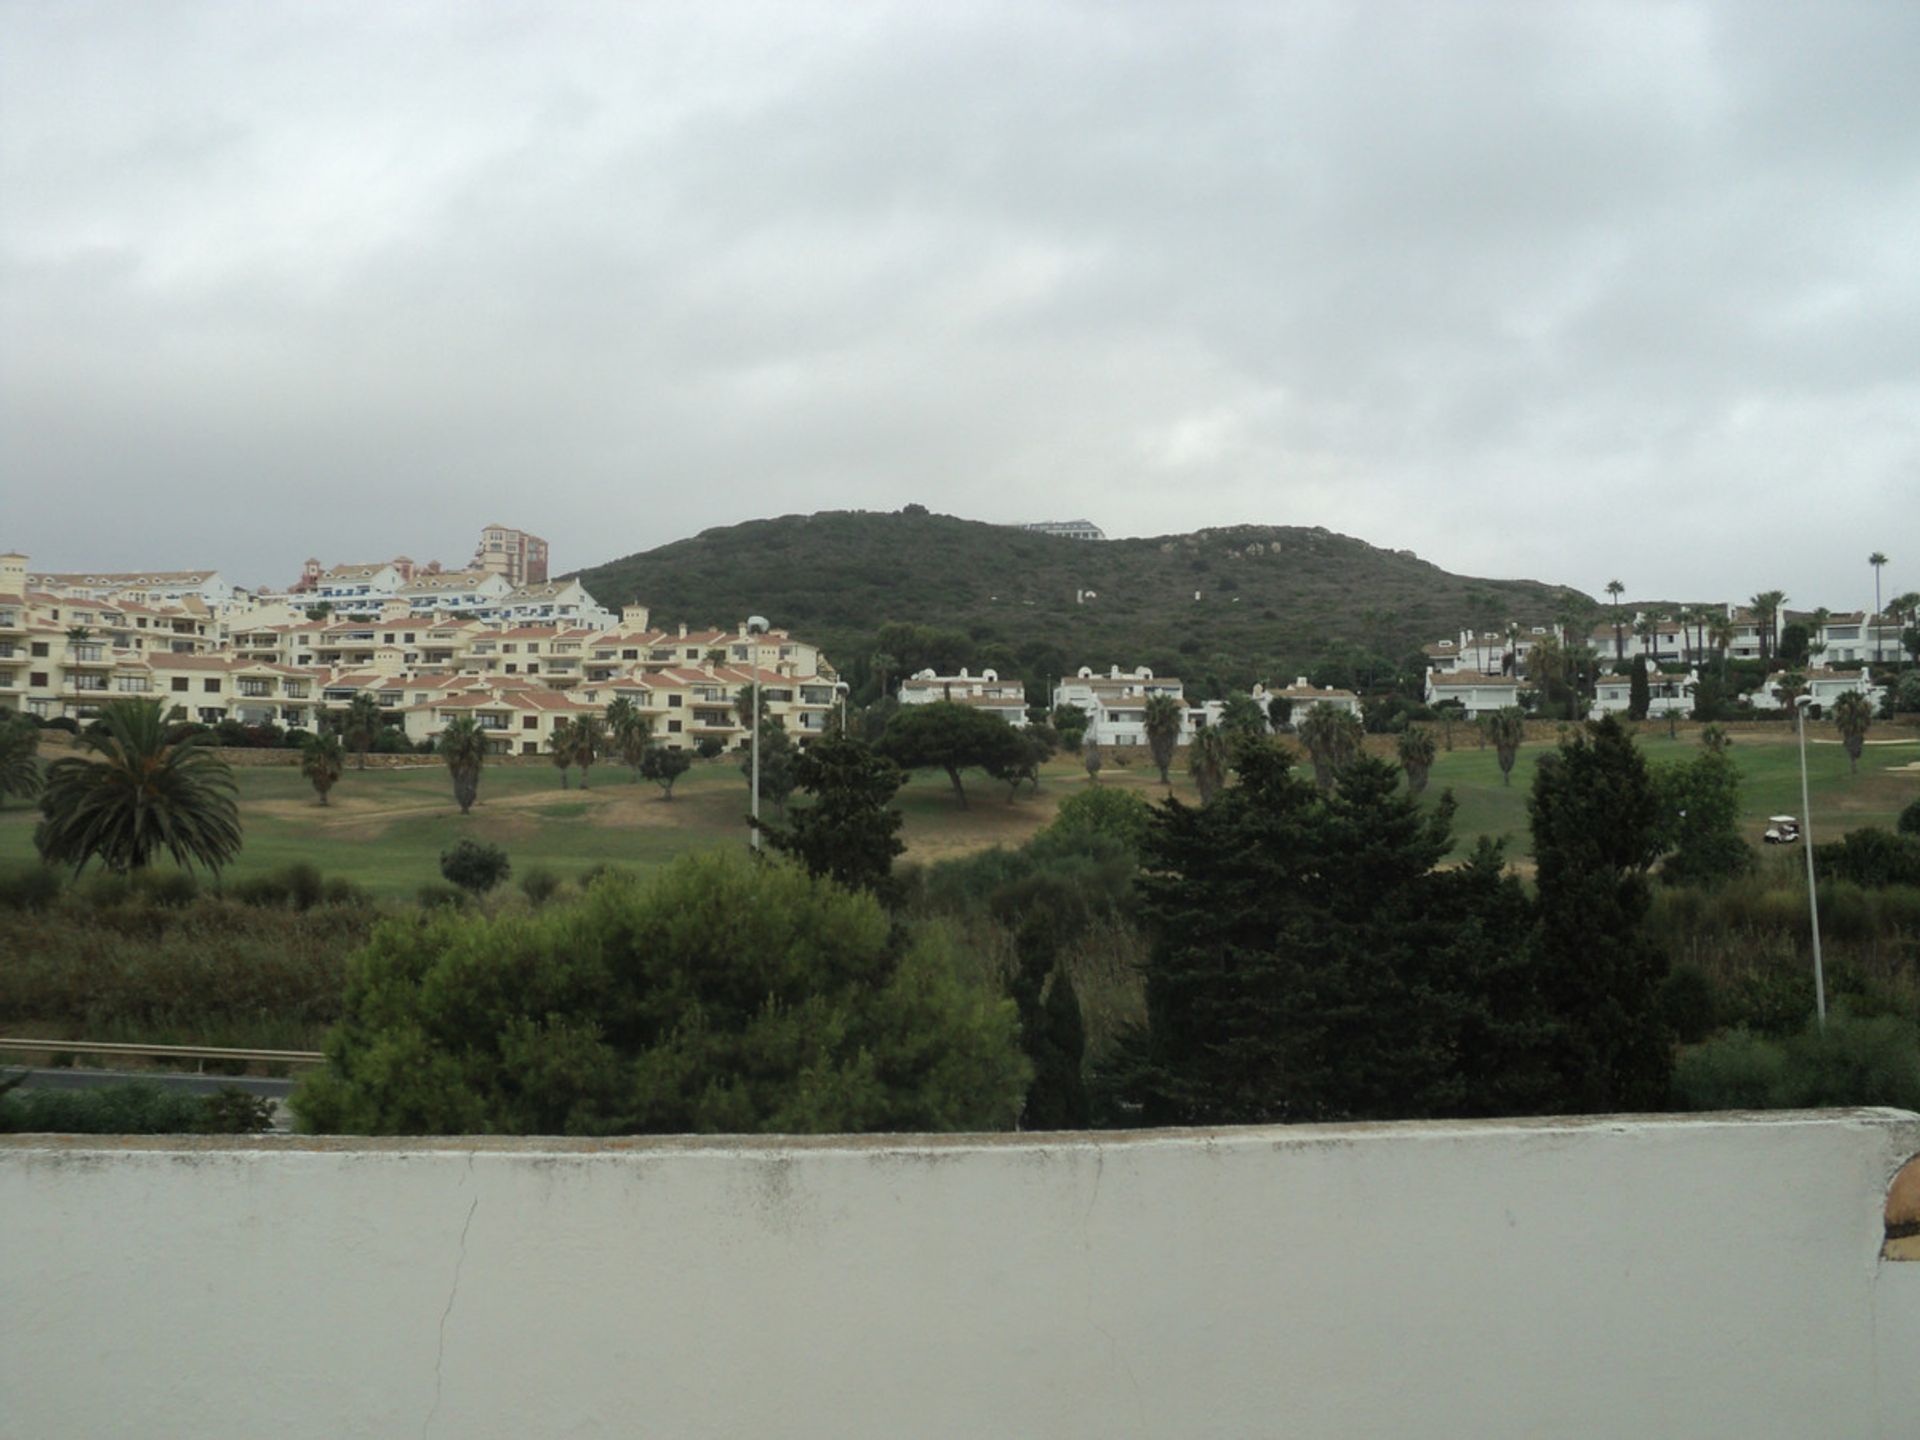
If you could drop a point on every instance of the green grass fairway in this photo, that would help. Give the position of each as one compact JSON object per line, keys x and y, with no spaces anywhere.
{"x":386,"y":828}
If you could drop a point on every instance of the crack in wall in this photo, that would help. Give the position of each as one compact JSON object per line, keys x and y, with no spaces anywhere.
{"x":440,"y":1350}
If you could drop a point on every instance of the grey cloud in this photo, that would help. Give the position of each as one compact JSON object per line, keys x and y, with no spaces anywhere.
{"x":1568,"y":291}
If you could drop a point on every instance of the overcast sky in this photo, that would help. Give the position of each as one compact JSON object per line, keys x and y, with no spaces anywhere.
{"x":1567,"y":292}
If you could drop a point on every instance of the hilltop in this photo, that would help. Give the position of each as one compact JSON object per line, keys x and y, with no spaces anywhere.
{"x":1273,"y":600}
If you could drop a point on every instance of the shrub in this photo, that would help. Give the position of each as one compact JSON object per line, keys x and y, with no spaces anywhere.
{"x":436,"y":894}
{"x":1871,"y":857}
{"x":264,"y":892}
{"x":342,"y":891}
{"x":1851,"y":1062}
{"x":103,"y":890}
{"x":720,"y":995}
{"x":1688,"y":1003}
{"x":304,"y":884}
{"x":1119,"y":814}
{"x":475,"y":866}
{"x":539,"y":886}
{"x":30,"y":887}
{"x":709,"y":747}
{"x":1910,"y":819}
{"x":63,"y":722}
{"x":133,"y":1109}
{"x":171,"y":889}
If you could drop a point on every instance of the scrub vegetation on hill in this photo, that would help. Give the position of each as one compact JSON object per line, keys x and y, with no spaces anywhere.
{"x":1272,"y":600}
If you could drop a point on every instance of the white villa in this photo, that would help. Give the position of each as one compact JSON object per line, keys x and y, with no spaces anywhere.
{"x":1824,"y":685}
{"x":985,"y":691}
{"x":1666,"y":694}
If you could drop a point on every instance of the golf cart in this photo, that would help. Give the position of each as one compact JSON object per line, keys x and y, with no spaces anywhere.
{"x":1782,"y":829}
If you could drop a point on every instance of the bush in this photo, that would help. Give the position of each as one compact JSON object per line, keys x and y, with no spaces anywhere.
{"x":264,"y":892}
{"x":30,"y":887}
{"x":62,"y":722}
{"x":133,"y":1109}
{"x":1910,"y":819}
{"x":170,"y":889}
{"x":719,"y":996}
{"x":1852,"y":1062}
{"x":539,"y":886}
{"x":342,"y":891}
{"x":709,"y":747}
{"x":436,"y":894}
{"x":103,"y":890}
{"x":1688,"y":1003}
{"x":1871,"y":857}
{"x":475,"y":866}
{"x":1119,"y":814}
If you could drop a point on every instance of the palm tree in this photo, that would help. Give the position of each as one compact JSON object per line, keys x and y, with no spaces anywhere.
{"x":1816,"y":622}
{"x":1853,"y":717}
{"x":1207,"y":761}
{"x":1906,"y":610}
{"x":589,"y":740}
{"x":463,"y":745}
{"x":1506,"y":728}
{"x":560,"y":747}
{"x":1715,"y":738}
{"x":148,"y":788}
{"x":1876,"y":560}
{"x":631,"y":732}
{"x":1163,"y":717}
{"x":362,"y":726}
{"x":1720,"y":635}
{"x":1766,"y":610}
{"x":1647,"y":631}
{"x":1416,"y":749}
{"x":322,"y":758}
{"x":1616,"y":589}
{"x":19,"y":771}
{"x":1332,"y":737}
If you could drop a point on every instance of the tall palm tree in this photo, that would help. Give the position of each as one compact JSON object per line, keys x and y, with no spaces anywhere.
{"x":1332,"y":737}
{"x":1876,"y":560}
{"x":1647,"y":631}
{"x":1506,"y":728}
{"x":146,"y":788}
{"x":1163,"y":718}
{"x":1207,"y":761}
{"x":1853,"y":717}
{"x":1766,"y":610}
{"x":1416,"y":749}
{"x":630,"y":732}
{"x":1720,"y":634}
{"x":362,"y":725}
{"x":463,"y":745}
{"x":322,"y":758}
{"x":19,"y":770}
{"x":589,"y":741}
{"x":1616,"y":589}
{"x":1905,"y":609}
{"x":560,"y":748}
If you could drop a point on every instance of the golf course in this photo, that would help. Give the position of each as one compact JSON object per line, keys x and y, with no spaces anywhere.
{"x":384,"y":829}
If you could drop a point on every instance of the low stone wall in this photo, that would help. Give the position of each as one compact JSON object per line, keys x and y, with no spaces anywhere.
{"x":1675,"y":1276}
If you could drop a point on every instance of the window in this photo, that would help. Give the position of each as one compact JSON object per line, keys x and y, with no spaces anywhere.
{"x":674,"y":701}
{"x":212,"y":687}
{"x":39,"y":648}
{"x":38,"y":679}
{"x":529,"y":722}
{"x":181,"y":684}
{"x":673,"y":727}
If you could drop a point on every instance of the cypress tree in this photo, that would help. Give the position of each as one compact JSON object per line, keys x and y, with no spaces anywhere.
{"x":1596,"y":833}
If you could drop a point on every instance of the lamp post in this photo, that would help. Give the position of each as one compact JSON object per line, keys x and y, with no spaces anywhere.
{"x":841,"y":688}
{"x":1800,"y":705}
{"x":756,"y":625}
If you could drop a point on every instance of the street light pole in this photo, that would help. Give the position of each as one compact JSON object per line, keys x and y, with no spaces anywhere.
{"x":1800,"y":704}
{"x":756,"y":625}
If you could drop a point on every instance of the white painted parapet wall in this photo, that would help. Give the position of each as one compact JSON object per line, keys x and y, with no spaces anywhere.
{"x":1704,"y":1276}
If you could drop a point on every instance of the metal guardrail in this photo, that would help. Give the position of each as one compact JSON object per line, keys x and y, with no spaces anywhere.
{"x":200,"y":1053}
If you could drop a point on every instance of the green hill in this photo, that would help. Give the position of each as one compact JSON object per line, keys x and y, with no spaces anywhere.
{"x":1273,"y":601}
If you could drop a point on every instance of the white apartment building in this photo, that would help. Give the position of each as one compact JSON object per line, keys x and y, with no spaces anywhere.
{"x":985,"y":691}
{"x":1824,"y":685}
{"x":1666,"y":694}
{"x":1480,"y":694}
{"x":1115,"y":704}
